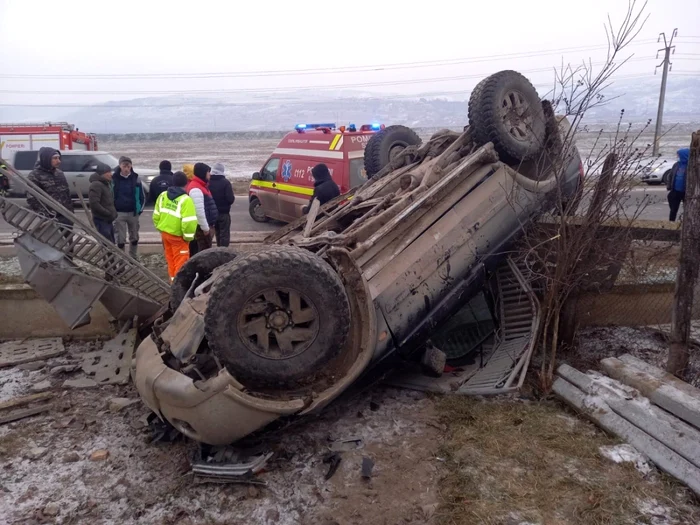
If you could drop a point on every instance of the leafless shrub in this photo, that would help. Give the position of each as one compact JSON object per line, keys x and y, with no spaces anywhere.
{"x":582,"y":243}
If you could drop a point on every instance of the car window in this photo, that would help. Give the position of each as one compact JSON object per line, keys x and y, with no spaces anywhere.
{"x":269,"y":172}
{"x":25,"y":160}
{"x":358,"y":175}
{"x":105,"y":158}
{"x":78,"y":163}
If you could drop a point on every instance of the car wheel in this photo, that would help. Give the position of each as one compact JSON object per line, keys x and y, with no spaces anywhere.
{"x":276,"y":317}
{"x":202,"y":264}
{"x":666,"y":177}
{"x":256,"y":211}
{"x":385,"y":145}
{"x":506,"y":110}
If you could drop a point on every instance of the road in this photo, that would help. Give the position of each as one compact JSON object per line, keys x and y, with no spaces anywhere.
{"x":240,"y":219}
{"x":652,"y":198}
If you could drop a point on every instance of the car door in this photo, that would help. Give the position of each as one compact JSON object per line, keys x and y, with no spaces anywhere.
{"x":268,"y":193}
{"x":76,"y":168}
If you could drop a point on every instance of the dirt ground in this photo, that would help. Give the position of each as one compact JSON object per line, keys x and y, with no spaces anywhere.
{"x":437,"y":460}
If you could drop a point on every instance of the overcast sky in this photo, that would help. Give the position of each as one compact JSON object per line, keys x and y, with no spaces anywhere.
{"x":140,"y":37}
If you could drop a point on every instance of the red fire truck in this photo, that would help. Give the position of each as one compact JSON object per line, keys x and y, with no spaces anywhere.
{"x":33,"y":136}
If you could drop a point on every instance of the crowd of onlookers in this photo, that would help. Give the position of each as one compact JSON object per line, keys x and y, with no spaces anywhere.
{"x":191,"y":206}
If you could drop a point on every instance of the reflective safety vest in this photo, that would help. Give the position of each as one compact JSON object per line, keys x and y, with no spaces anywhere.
{"x":176,"y":217}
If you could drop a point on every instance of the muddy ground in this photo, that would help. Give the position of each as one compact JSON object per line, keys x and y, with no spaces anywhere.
{"x":437,"y":460}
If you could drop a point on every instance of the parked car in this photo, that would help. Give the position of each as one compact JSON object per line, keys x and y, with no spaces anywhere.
{"x":78,"y":166}
{"x":284,"y":330}
{"x":656,"y":176}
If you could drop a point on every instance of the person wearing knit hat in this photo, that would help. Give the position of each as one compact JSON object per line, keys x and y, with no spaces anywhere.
{"x":162,"y":182}
{"x":222,"y":192}
{"x":207,"y":214}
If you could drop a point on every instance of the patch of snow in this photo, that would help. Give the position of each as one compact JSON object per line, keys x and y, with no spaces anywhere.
{"x":15,"y":382}
{"x":655,"y":513}
{"x":625,"y":453}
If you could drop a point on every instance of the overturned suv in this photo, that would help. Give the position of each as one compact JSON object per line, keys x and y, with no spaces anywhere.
{"x":284,"y":330}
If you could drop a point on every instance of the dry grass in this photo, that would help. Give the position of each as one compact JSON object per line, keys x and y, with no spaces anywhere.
{"x":513,"y":462}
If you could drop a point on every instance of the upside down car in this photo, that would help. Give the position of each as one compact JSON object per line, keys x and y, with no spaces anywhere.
{"x":284,"y":330}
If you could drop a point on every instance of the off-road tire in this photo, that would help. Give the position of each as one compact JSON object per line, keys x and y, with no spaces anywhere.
{"x":254,"y":203}
{"x":487,"y":123}
{"x":273,"y":268}
{"x":378,"y":151}
{"x":202,"y":263}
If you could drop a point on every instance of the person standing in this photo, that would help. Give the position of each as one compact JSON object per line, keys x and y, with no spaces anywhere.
{"x":676,"y":183}
{"x":102,"y":201}
{"x":162,"y":182}
{"x":129,"y":200}
{"x":174,"y":216}
{"x":325,"y":188}
{"x":49,"y":178}
{"x":204,"y":205}
{"x":222,"y":192}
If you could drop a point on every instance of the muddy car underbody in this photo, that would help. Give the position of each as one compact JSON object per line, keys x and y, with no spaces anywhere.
{"x":286,"y":329}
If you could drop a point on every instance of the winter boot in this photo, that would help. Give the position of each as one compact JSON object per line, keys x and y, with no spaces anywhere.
{"x":133,"y":249}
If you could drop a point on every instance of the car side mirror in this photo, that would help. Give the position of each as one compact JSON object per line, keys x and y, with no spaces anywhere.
{"x":256,"y":175}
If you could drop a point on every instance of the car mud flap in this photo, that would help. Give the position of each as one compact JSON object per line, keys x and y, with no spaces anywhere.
{"x":185,"y":332}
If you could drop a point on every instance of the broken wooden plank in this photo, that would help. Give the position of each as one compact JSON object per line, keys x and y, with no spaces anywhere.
{"x":631,"y":405}
{"x":25,"y":400}
{"x":663,"y":389}
{"x":598,"y":411}
{"x":24,"y":413}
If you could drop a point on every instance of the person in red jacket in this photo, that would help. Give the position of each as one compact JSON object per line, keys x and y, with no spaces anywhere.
{"x":205,"y":207}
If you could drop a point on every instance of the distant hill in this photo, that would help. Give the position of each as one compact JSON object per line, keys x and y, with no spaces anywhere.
{"x":257,"y":113}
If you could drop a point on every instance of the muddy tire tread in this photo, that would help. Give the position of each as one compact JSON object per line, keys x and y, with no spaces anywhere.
{"x":255,"y":266}
{"x":485,"y":123}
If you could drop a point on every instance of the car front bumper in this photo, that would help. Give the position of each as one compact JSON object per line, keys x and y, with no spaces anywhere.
{"x":214,"y":411}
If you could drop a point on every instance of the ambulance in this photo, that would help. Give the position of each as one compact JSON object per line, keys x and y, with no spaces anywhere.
{"x":284,"y":185}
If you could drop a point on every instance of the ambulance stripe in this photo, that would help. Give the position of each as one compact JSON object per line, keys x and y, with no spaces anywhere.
{"x":292,"y":188}
{"x":319,"y":141}
{"x":359,"y":154}
{"x":335,"y":141}
{"x":309,"y":153}
{"x":340,"y":143}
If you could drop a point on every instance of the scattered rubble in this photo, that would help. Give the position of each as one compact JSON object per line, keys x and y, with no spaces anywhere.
{"x":71,"y":457}
{"x":116,"y":404}
{"x":32,"y":366}
{"x":83,"y":382}
{"x":99,"y":455}
{"x":52,"y":510}
{"x":41,"y":386}
{"x":36,"y":453}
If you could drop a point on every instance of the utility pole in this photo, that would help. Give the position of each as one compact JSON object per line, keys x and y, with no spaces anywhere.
{"x":667,"y":49}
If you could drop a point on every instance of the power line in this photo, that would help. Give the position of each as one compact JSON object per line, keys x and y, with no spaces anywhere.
{"x":280,"y":89}
{"x":434,"y":94}
{"x":313,"y":71}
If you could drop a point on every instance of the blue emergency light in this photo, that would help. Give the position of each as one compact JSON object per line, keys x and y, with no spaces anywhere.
{"x":375,"y":125}
{"x":302,"y":127}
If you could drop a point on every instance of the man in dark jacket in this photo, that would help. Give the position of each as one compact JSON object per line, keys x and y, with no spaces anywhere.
{"x":676,"y":183}
{"x":129,"y":200}
{"x":102,"y":201}
{"x":162,"y":182}
{"x":222,"y":192}
{"x":52,"y":181}
{"x":325,"y":189}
